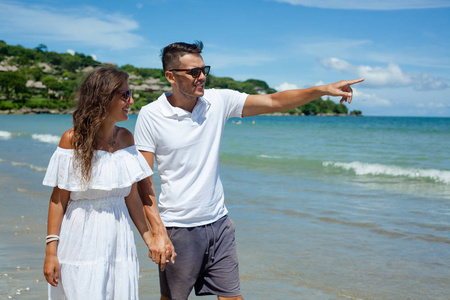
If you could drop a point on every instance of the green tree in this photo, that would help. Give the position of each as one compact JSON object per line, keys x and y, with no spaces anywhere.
{"x":261,"y":84}
{"x":326,"y":106}
{"x":310,"y":108}
{"x":41,"y":48}
{"x":35,"y":72}
{"x":128,"y":68}
{"x":68,"y":88}
{"x":22,"y":61}
{"x":3,"y":48}
{"x":12,"y":81}
{"x":341,"y":109}
{"x":52,"y":58}
{"x":52,"y":84}
{"x":70,"y":62}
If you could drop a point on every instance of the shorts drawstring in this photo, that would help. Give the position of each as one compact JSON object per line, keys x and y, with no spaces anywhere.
{"x":214,"y":242}
{"x":207,"y":240}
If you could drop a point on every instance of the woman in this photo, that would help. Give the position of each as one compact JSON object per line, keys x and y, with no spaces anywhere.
{"x":90,"y":252}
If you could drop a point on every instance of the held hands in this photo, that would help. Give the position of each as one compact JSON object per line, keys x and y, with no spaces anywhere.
{"x":161,"y":250}
{"x":342,"y":88}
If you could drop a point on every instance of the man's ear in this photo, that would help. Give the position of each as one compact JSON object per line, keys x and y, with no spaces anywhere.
{"x":169,"y":76}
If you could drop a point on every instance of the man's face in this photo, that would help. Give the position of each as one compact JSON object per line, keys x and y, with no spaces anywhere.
{"x":183,"y":82}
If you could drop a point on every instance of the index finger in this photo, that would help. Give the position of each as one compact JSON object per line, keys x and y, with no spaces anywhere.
{"x":350,"y":82}
{"x":162,"y":263}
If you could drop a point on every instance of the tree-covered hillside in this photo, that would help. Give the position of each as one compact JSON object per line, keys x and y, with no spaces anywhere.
{"x":38,"y":80}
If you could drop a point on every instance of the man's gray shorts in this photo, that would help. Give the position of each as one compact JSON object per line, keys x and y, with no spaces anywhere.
{"x":206,"y":259}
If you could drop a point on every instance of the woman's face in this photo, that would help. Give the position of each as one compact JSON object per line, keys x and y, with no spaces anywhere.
{"x":120,"y":105}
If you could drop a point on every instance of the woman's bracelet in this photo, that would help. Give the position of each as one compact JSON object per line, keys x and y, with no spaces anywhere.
{"x":51,"y":238}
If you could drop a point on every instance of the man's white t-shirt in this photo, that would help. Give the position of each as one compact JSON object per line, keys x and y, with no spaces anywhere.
{"x":186,"y":147}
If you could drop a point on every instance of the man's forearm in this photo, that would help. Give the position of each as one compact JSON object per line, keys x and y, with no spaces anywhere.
{"x":293,"y":98}
{"x":281,"y":101}
{"x":152,"y":214}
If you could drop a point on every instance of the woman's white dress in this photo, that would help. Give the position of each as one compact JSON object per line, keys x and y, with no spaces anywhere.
{"x":96,"y":251}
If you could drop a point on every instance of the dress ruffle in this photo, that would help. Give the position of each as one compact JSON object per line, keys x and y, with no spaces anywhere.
{"x":110,"y":170}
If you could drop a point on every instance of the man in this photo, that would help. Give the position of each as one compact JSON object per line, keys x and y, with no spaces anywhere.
{"x":183,"y":131}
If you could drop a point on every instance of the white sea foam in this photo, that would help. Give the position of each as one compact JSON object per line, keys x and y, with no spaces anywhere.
{"x":46,"y":138}
{"x":32,"y":167}
{"x":5,"y":134}
{"x":269,"y":156}
{"x":378,"y":169}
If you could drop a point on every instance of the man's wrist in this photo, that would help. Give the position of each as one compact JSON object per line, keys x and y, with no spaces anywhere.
{"x":159,"y":231}
{"x":321,"y":90}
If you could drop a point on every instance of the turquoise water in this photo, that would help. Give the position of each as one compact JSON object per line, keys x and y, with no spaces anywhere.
{"x":325,"y":207}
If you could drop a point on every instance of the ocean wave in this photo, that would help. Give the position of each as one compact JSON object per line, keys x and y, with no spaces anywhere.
{"x":378,"y":169}
{"x":5,"y":135}
{"x":32,"y":167}
{"x":46,"y":138}
{"x":269,"y":156}
{"x":356,"y":224}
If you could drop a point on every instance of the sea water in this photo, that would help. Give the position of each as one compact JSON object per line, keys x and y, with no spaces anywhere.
{"x":324,"y":207}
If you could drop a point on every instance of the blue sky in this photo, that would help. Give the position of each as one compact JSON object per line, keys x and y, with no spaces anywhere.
{"x":402,"y":48}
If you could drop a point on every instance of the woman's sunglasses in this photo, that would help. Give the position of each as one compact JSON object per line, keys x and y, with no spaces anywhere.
{"x":195,"y":72}
{"x":127,"y":94}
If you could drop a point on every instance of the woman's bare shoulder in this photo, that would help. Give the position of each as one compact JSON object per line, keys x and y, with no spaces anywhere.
{"x":67,"y":140}
{"x":125,"y":136}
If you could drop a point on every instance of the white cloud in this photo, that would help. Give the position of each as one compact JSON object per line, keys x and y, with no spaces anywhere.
{"x":390,"y":76}
{"x":433,"y":105}
{"x":71,"y":52}
{"x":337,"y":64}
{"x":85,"y":25}
{"x":428,"y":55}
{"x":426,"y":82}
{"x":286,"y":86}
{"x":370,"y":4}
{"x":94,"y":57}
{"x":366,"y":99}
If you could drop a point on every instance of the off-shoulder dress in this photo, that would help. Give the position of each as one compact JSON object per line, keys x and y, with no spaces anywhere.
{"x":96,"y":250}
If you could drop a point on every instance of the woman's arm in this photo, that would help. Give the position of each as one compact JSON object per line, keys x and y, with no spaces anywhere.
{"x":56,"y":210}
{"x":136,"y":210}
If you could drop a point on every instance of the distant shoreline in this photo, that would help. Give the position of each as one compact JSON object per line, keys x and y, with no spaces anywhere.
{"x":38,"y":111}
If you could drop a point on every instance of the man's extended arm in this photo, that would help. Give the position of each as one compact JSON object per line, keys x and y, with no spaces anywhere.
{"x":161,"y":248}
{"x":281,"y":101}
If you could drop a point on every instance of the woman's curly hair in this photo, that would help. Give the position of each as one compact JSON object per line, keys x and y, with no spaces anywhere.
{"x":94,"y":99}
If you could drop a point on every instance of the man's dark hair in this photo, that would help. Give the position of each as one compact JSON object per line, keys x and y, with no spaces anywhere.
{"x":173,"y":52}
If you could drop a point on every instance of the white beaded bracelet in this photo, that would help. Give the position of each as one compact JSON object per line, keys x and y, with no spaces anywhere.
{"x":51,"y":238}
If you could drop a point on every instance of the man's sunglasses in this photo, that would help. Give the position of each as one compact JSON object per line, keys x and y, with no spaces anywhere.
{"x":195,"y":72}
{"x":127,"y":94}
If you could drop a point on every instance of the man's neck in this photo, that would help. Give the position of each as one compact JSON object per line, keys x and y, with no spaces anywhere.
{"x":186,"y":103}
